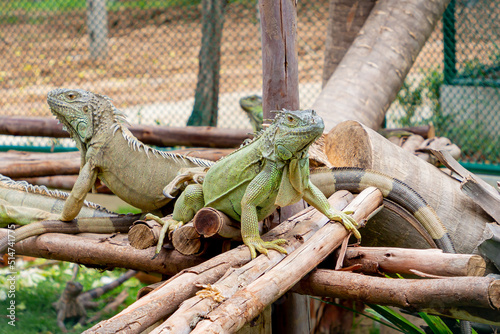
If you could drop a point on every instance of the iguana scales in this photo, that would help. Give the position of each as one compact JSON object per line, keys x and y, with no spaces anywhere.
{"x":132,"y":170}
{"x":271,"y":171}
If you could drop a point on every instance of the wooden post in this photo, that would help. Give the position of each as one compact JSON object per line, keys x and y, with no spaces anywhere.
{"x":97,"y":25}
{"x":280,"y":77}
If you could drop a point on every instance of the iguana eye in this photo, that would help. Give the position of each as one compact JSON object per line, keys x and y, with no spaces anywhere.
{"x":290,"y":119}
{"x":71,"y":96}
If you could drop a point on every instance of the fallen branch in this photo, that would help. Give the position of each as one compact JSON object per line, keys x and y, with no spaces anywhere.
{"x":164,"y":300}
{"x":405,"y":261}
{"x":104,"y":251}
{"x":117,"y":224}
{"x":468,"y":298}
{"x":248,"y":302}
{"x":202,"y":136}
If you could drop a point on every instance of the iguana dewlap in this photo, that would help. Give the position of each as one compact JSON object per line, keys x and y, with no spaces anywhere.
{"x":271,"y":171}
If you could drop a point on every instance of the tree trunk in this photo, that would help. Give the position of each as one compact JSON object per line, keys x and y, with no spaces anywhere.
{"x":371,"y":73}
{"x":355,"y":145}
{"x":345,"y":19}
{"x":206,"y":98}
{"x":280,"y":74}
{"x":97,"y":25}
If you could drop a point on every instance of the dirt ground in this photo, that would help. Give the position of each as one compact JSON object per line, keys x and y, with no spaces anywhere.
{"x":152,"y":55}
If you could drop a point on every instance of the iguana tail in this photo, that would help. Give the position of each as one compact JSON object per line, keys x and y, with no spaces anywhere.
{"x":356,"y":179}
{"x":117,"y":224}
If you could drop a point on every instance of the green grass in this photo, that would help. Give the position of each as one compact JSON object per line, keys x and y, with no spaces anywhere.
{"x":36,"y":290}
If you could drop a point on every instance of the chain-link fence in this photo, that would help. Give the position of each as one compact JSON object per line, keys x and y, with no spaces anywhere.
{"x":144,"y":55}
{"x":455,"y":83}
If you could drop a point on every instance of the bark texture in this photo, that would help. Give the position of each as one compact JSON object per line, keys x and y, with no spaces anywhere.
{"x":371,"y":73}
{"x":280,"y":75}
{"x":345,"y":19}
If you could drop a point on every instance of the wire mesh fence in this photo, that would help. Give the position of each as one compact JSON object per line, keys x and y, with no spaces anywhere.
{"x":144,"y":55}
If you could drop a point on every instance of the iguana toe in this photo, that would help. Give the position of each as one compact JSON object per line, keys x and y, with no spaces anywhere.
{"x":348,"y":221}
{"x":257,"y":244}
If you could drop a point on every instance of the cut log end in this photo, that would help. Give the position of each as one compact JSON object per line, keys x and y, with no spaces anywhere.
{"x":187,"y":240}
{"x":144,"y":234}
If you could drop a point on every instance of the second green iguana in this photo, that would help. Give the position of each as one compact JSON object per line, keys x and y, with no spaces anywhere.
{"x":271,"y":171}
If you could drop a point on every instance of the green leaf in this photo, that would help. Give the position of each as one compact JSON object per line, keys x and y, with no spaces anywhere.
{"x":435,"y":323}
{"x":396,"y":319}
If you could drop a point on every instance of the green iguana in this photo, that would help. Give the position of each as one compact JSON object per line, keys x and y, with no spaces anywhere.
{"x":248,"y":184}
{"x":252,"y":105}
{"x":38,"y":208}
{"x":271,"y":171}
{"x":132,"y":170}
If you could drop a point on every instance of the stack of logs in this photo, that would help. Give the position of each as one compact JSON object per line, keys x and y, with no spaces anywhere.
{"x":227,"y":291}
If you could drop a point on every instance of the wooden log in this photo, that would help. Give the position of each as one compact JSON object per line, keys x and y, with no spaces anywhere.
{"x":209,"y":222}
{"x":248,"y":302}
{"x":372,"y":71}
{"x":454,"y":296}
{"x":355,"y":145}
{"x":407,"y":261}
{"x":65,"y":182}
{"x":187,"y":240}
{"x":165,"y":299}
{"x":29,"y":164}
{"x":164,"y":136}
{"x":104,"y":251}
{"x":144,"y":234}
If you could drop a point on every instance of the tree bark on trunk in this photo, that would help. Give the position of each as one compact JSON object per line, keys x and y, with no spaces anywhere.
{"x":280,"y":74}
{"x":371,"y":73}
{"x":206,"y":98}
{"x":345,"y":19}
{"x":355,"y":145}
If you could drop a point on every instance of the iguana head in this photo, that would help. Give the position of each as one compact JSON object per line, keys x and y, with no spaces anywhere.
{"x":252,"y":105}
{"x":292,"y":132}
{"x":75,"y":109}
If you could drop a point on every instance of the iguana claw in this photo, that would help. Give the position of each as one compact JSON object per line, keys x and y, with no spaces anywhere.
{"x":167,"y":226}
{"x":256,"y":243}
{"x":348,"y":221}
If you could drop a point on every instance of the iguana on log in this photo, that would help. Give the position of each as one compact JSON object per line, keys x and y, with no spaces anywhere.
{"x":38,"y":208}
{"x":327,"y":180}
{"x":132,"y":170}
{"x":271,"y":171}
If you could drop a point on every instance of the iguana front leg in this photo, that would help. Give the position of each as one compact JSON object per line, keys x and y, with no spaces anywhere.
{"x":257,"y":192}
{"x":313,"y":196}
{"x":86,"y":179}
{"x":188,"y":203}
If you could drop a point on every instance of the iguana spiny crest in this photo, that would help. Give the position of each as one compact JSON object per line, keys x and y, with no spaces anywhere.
{"x":85,"y":114}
